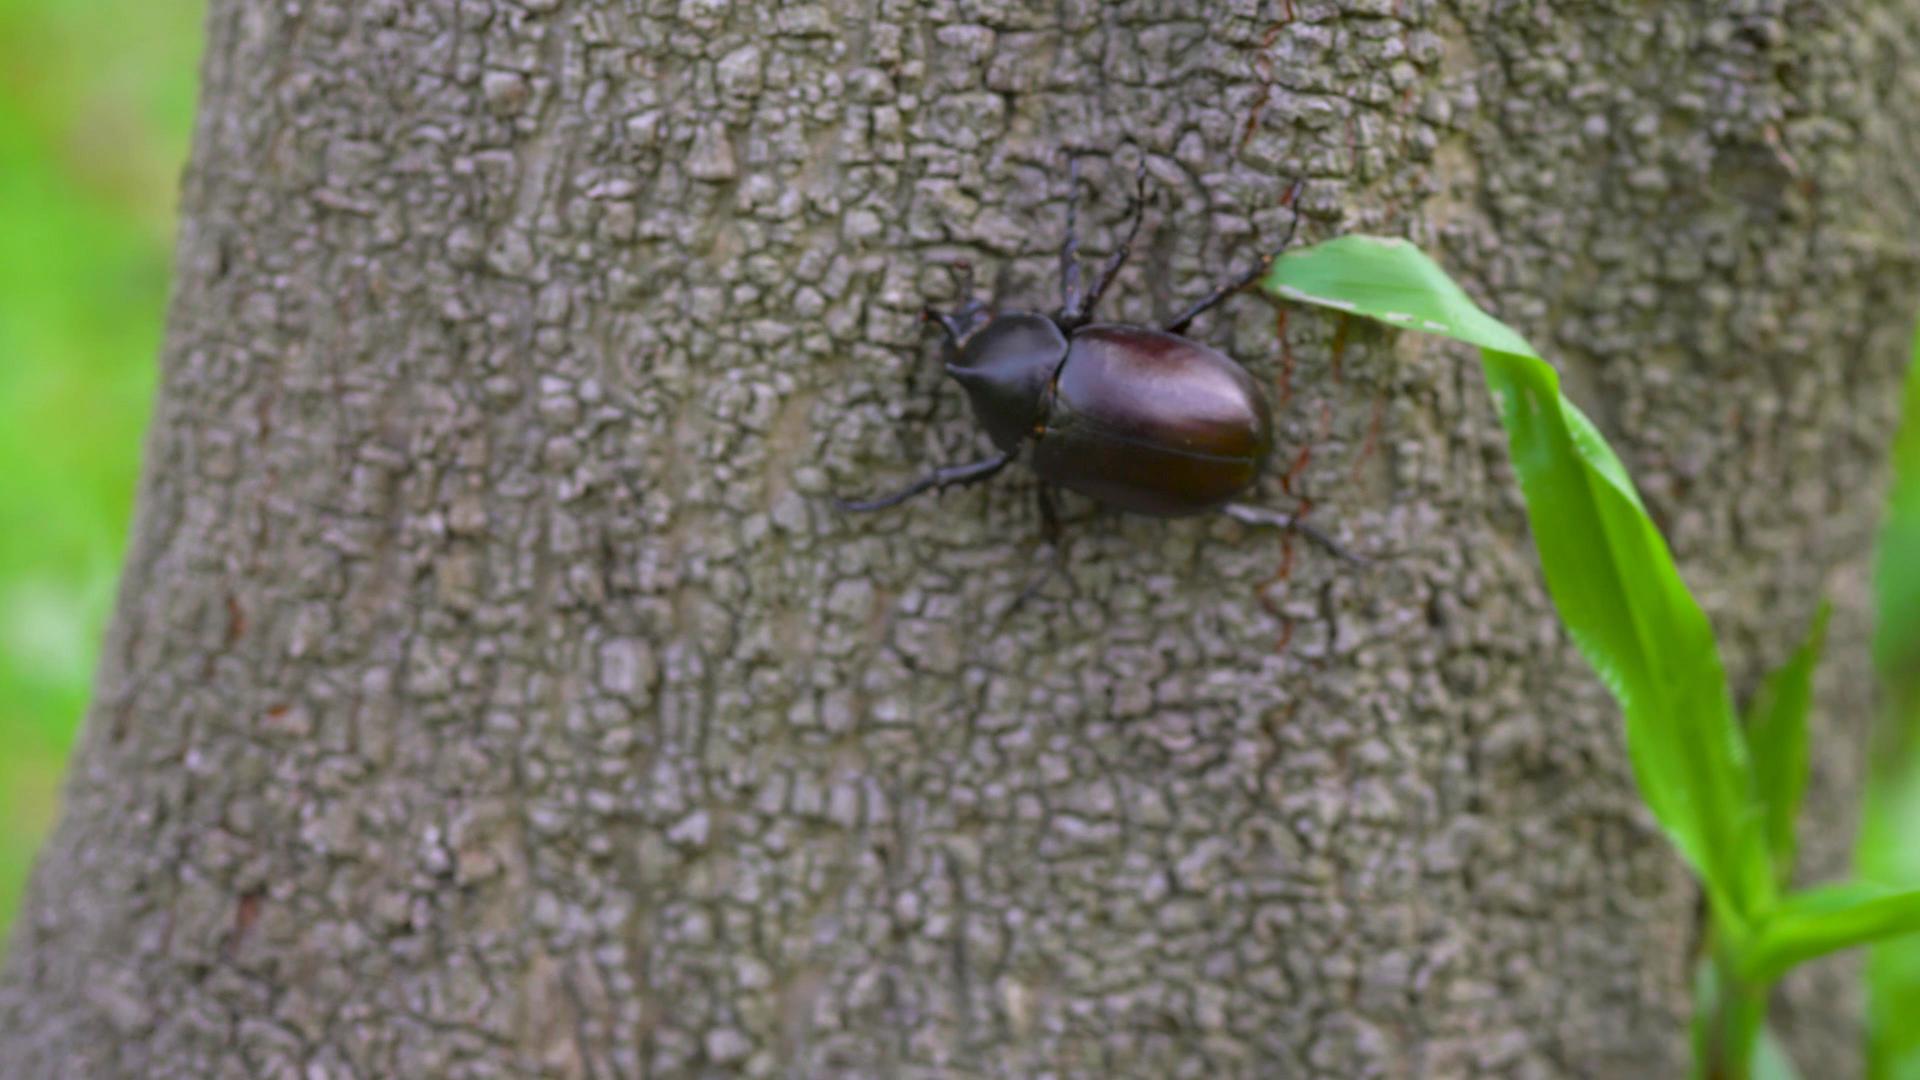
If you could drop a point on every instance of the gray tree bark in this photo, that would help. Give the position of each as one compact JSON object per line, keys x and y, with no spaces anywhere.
{"x":493,"y":692}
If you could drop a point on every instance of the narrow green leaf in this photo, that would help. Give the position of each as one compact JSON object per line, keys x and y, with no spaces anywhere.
{"x":1707,"y":1005}
{"x":1391,"y":280}
{"x":1607,"y":568}
{"x":1887,"y":854}
{"x":1819,"y":921}
{"x":1896,"y":638}
{"x":1885,"y":850}
{"x":1777,"y":737}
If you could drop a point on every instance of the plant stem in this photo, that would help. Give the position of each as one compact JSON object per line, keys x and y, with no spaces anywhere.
{"x":1731,"y":1015}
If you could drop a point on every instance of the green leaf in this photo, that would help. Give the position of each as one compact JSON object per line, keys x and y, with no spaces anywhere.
{"x":1896,"y":638}
{"x":1777,"y":737}
{"x":1819,"y":921}
{"x":1388,"y":279}
{"x":1607,"y":568}
{"x":1887,"y":854}
{"x":1885,"y":851}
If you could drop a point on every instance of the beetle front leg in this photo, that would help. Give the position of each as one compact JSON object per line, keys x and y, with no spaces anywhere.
{"x":1253,"y":515}
{"x":1178,"y":325}
{"x":937,"y":480}
{"x":1070,"y":247}
{"x":1076,"y":317}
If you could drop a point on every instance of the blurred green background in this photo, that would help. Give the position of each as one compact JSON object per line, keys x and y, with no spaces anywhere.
{"x":96,"y":106}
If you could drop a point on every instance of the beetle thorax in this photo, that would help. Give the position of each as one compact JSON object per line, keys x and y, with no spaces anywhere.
{"x":1006,"y":368}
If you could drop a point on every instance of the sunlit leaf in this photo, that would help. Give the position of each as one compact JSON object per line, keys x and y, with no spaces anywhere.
{"x":1607,"y":567}
{"x":1887,"y":851}
{"x":1896,"y":637}
{"x":1819,"y":921}
{"x":1777,"y":737}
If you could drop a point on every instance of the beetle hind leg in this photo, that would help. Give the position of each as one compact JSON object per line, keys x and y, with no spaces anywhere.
{"x":1253,"y":515}
{"x":938,"y":480}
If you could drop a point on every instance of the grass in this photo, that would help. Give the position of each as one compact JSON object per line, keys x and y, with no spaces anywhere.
{"x":96,"y":103}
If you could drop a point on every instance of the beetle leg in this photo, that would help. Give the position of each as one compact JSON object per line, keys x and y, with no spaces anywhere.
{"x":1070,"y":247}
{"x":1056,"y":558}
{"x":1074,"y":317}
{"x":937,"y":480}
{"x":1220,"y":292}
{"x":1056,"y":564}
{"x":1253,"y":515}
{"x":1049,"y":516}
{"x":1178,"y":325}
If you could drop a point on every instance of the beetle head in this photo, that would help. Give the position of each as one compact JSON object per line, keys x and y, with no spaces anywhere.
{"x":1005,"y":368}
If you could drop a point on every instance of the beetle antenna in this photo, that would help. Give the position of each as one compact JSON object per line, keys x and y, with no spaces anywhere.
{"x":964,"y":267}
{"x":1070,"y":247}
{"x":950,"y":325}
{"x":959,"y":322}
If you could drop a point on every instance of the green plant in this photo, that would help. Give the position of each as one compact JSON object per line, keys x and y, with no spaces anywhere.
{"x":1725,"y":796}
{"x":1892,"y":811}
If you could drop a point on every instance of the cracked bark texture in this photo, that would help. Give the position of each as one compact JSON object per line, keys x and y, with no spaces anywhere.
{"x":493,"y":692}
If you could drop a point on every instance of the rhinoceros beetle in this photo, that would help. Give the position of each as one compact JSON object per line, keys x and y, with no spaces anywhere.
{"x":1142,"y":418}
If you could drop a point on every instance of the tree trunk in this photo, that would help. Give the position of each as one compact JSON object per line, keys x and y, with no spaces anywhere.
{"x":494,"y":691}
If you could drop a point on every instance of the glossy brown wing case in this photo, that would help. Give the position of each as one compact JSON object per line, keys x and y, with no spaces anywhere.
{"x":1152,"y":422}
